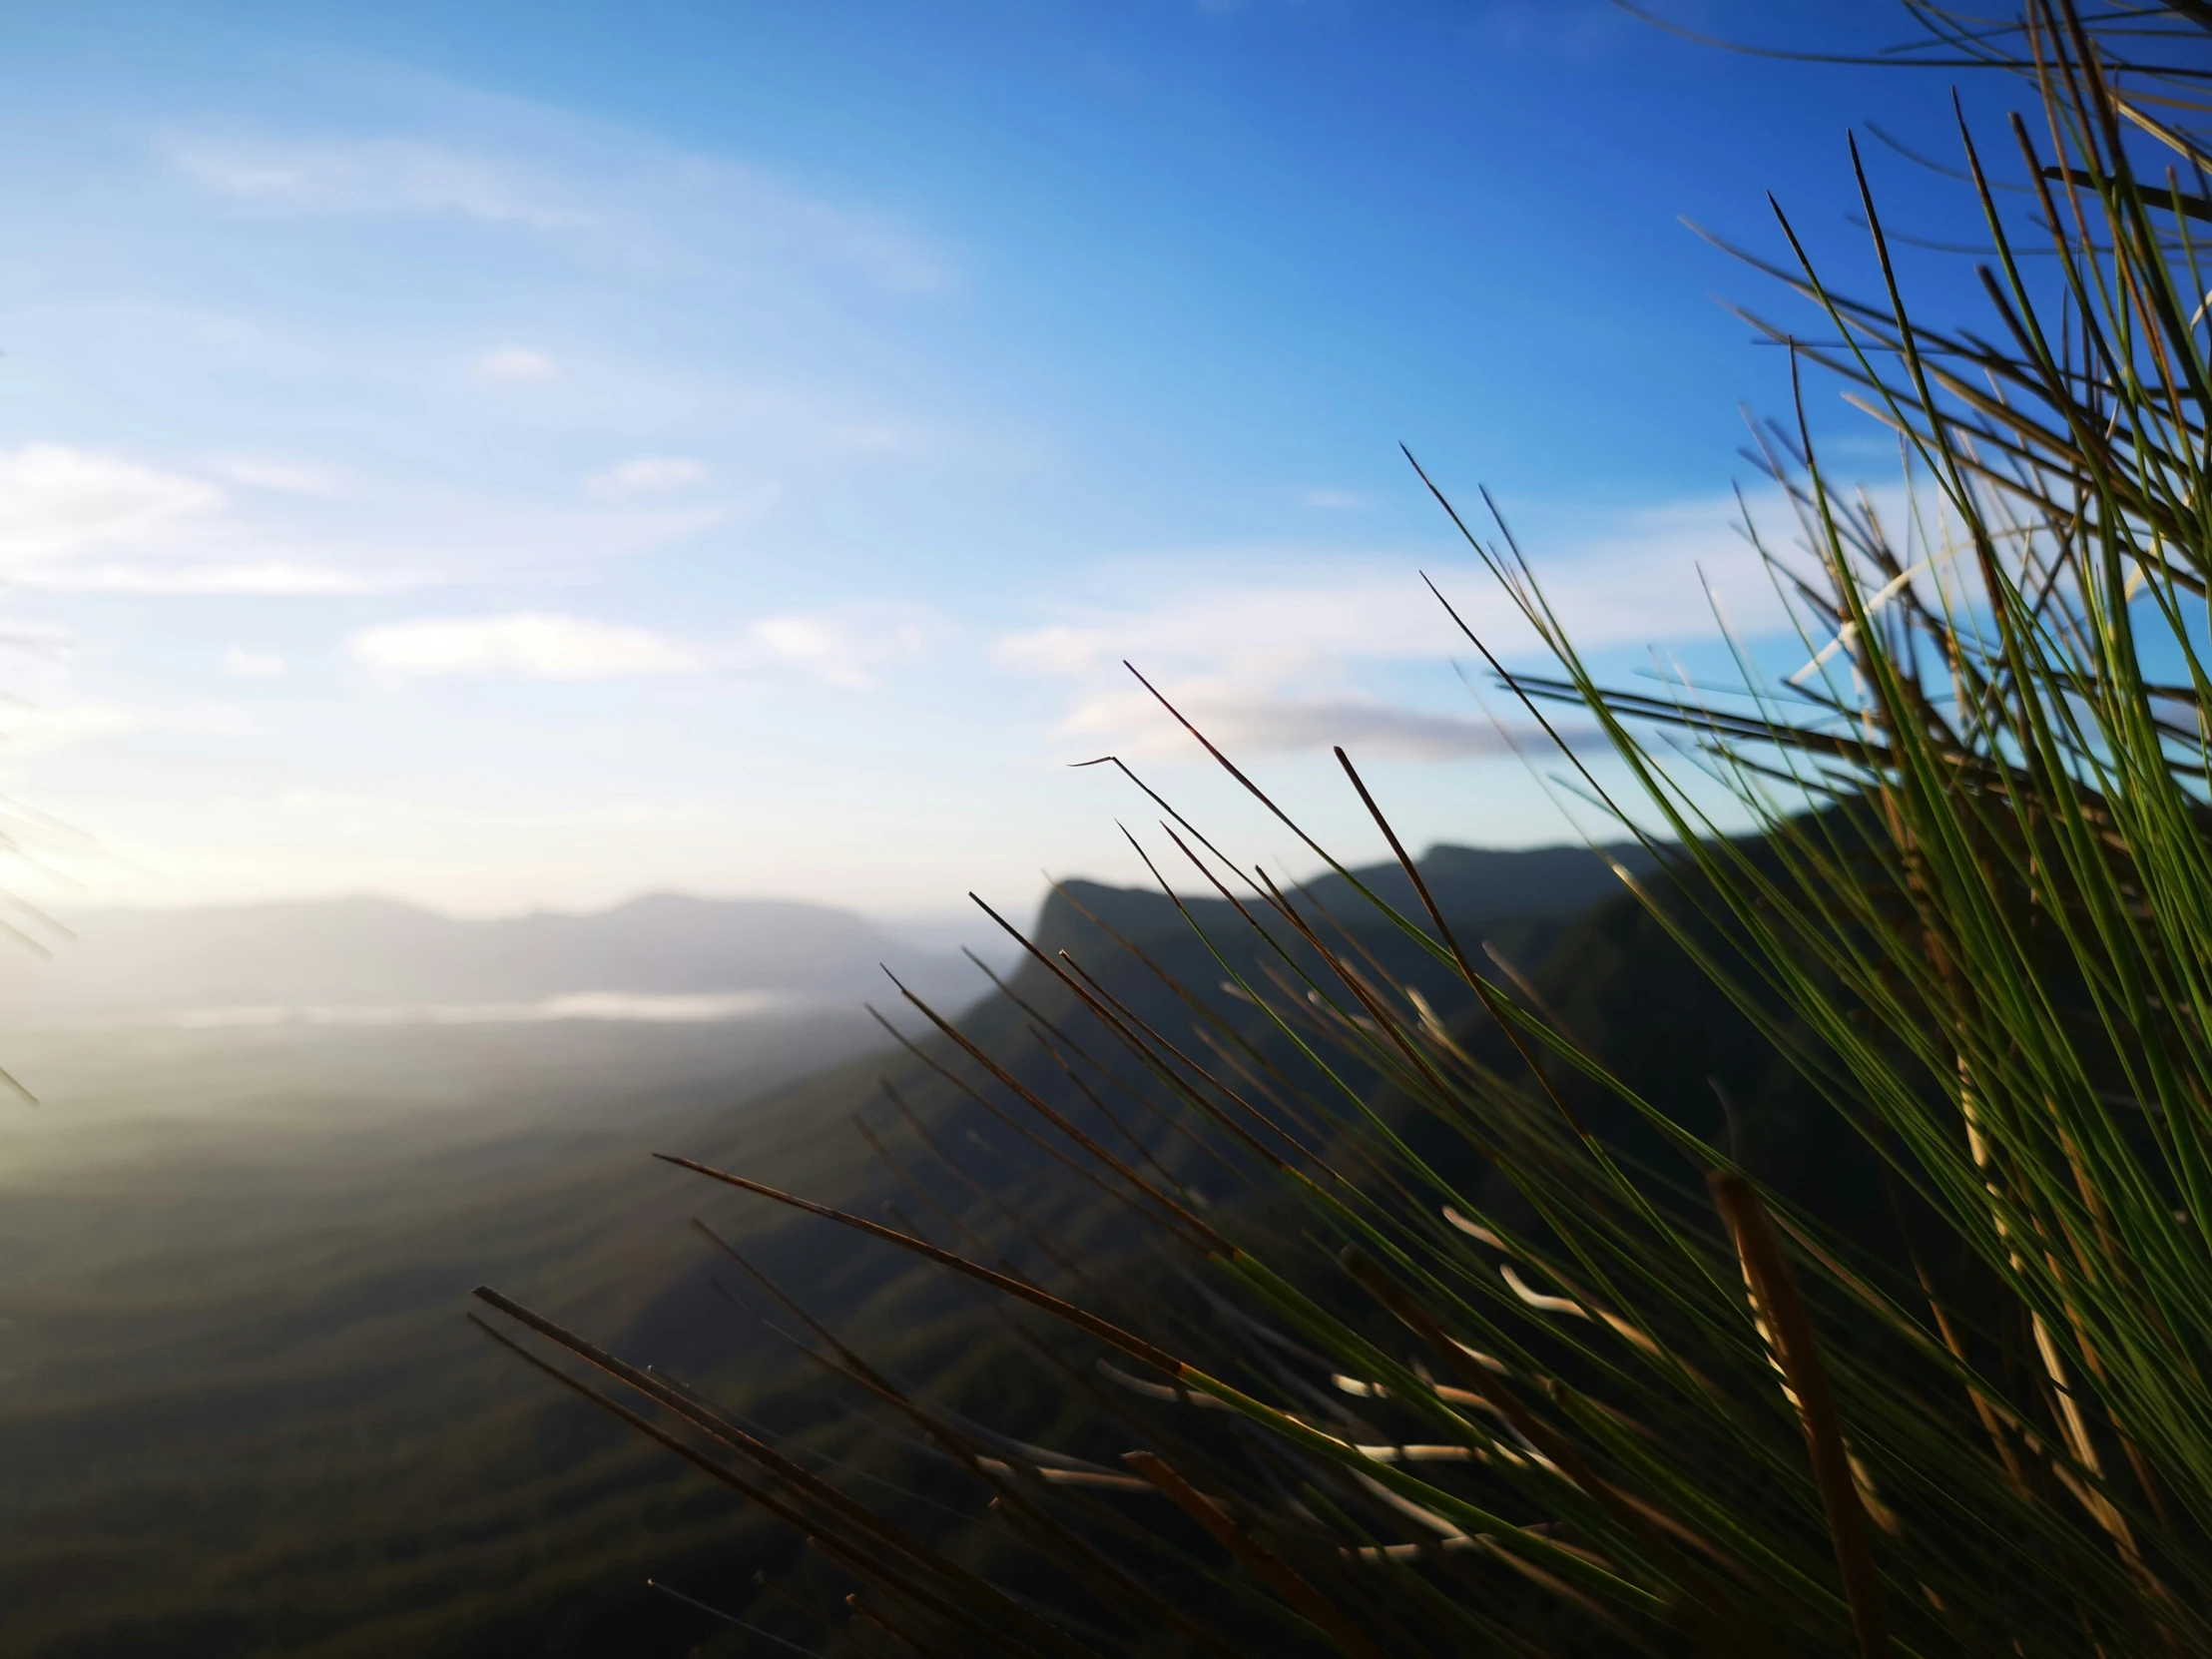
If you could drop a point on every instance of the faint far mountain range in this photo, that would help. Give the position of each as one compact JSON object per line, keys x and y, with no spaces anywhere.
{"x":665,"y":956}
{"x":362,"y":960}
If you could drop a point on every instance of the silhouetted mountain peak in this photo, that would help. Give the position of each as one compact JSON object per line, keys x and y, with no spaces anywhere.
{"x":1540,"y":882}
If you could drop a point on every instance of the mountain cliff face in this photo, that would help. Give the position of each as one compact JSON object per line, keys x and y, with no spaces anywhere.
{"x":1476,"y":887}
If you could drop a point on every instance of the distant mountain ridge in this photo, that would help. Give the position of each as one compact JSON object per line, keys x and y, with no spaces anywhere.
{"x":367,"y":952}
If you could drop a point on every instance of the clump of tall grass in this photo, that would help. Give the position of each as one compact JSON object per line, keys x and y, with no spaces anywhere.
{"x":1641,"y":1390}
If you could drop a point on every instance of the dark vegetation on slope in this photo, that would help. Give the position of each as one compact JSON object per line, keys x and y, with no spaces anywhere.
{"x":238,"y":1412}
{"x":1611,"y":975}
{"x":1611,"y":971}
{"x":322,"y":1459}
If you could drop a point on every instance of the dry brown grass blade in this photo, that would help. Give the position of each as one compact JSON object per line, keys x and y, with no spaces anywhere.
{"x":1205,"y":1075}
{"x":1097,"y":1571}
{"x":984,"y":1607}
{"x":1153,"y":1051}
{"x":1166,"y":1211}
{"x":1261,"y":1562}
{"x":1175,"y":1213}
{"x":1720,"y":1621}
{"x":1090,"y":1324}
{"x":1775,"y":1286}
{"x":832,"y":1548}
{"x":897,"y":1631}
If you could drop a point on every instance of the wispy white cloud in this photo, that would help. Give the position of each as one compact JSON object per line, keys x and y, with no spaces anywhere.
{"x":28,"y":730}
{"x":57,"y":502}
{"x":614,"y":192}
{"x":85,"y":520}
{"x":532,"y":645}
{"x":1642,"y":579}
{"x":646,"y":475}
{"x":1256,"y":626}
{"x":1244,"y":721}
{"x":278,"y":477}
{"x":253,"y":665}
{"x":260,"y":578}
{"x":759,"y":217}
{"x":1278,"y":659}
{"x":376,"y":177}
{"x":846,"y":648}
{"x":516,"y":363}
{"x":1334,"y":501}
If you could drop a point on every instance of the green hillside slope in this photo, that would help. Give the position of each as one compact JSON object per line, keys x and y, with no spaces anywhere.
{"x":245,"y":1417}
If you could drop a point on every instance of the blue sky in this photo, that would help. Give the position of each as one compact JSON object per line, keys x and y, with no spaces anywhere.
{"x":525,"y":456}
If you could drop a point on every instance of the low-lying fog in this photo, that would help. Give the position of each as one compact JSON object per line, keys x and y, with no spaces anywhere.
{"x":664,"y":958}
